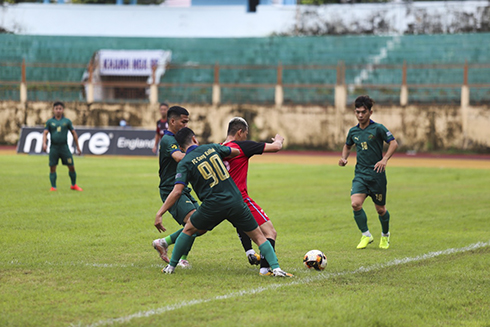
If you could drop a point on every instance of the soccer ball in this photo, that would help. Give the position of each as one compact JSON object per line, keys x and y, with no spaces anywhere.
{"x":315,"y":259}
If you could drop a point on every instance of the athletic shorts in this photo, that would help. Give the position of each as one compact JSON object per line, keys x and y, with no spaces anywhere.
{"x":259,"y":214}
{"x":62,"y":152}
{"x":185,"y":204}
{"x":210,"y":215}
{"x":373,"y":187}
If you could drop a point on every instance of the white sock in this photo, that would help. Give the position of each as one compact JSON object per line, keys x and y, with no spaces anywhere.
{"x":383,"y":234}
{"x":368,"y":234}
{"x":251,"y":251}
{"x":264,"y":270}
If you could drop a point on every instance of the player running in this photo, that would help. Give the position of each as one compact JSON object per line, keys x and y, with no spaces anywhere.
{"x":370,"y":175}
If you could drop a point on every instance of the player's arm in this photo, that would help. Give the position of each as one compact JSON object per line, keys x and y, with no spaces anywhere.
{"x":157,"y":140}
{"x":178,"y":155}
{"x":381,"y":165}
{"x":276,"y":144}
{"x":234,"y":152}
{"x":75,"y":138}
{"x":169,"y":202}
{"x":45,"y":140}
{"x":345,"y":154}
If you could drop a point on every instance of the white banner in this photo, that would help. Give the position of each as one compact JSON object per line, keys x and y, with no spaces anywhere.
{"x":131,"y":62}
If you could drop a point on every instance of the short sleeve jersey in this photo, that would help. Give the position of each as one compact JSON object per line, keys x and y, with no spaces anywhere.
{"x":203,"y":167}
{"x":369,"y":146}
{"x":168,"y":166}
{"x":59,"y":130}
{"x":162,"y":126}
{"x":238,"y":166}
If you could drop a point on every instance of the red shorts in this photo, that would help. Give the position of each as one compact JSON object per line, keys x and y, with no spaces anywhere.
{"x":259,"y":214}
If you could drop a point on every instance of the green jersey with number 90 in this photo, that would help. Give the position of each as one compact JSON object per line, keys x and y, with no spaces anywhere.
{"x":203,"y":168}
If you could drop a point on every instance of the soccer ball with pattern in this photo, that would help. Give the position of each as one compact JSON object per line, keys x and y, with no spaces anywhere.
{"x":315,"y":259}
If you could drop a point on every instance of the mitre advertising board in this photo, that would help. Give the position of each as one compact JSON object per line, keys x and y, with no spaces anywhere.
{"x":96,"y":141}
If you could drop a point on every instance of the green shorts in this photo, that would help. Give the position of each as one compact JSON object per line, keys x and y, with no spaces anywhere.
{"x":210,"y":215}
{"x":375,"y":187}
{"x":185,"y":204}
{"x":62,"y":152}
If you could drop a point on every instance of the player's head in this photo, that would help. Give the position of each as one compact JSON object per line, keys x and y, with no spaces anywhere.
{"x":59,"y":103}
{"x":240,"y":126}
{"x":58,"y":108}
{"x":177,"y":117}
{"x":364,"y":101}
{"x":185,"y":137}
{"x":163,"y":109}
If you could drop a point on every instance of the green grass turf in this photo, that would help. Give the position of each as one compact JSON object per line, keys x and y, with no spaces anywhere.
{"x":85,"y":258}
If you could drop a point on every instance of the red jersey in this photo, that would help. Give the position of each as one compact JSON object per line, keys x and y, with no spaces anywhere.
{"x":162,"y":126}
{"x":238,"y":166}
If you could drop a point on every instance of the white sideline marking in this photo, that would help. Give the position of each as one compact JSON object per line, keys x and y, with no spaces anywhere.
{"x":305,"y":280}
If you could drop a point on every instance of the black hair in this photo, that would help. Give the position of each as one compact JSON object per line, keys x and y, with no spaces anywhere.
{"x":164,"y":104}
{"x":184,"y":137}
{"x":364,"y":101}
{"x":59,"y":103}
{"x":176,"y":111}
{"x":236,"y":124}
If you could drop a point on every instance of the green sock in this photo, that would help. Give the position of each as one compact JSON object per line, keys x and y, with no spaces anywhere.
{"x":172,"y":237}
{"x":73,"y":177}
{"x":52,"y":178}
{"x":182,"y":245}
{"x":267,"y":251}
{"x":361,"y":220}
{"x":184,"y":257}
{"x":385,"y":222}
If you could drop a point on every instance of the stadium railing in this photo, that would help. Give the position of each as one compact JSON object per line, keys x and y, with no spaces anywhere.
{"x":254,"y":84}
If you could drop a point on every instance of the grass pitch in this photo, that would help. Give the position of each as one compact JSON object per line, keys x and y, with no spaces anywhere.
{"x":85,"y":258}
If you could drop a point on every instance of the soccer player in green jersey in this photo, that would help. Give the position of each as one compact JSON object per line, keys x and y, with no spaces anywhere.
{"x":370,"y":177}
{"x":169,"y":156}
{"x":58,"y":128}
{"x":203,"y":167}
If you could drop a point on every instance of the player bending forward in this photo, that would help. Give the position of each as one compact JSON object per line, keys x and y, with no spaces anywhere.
{"x":238,"y":169}
{"x":203,"y":167}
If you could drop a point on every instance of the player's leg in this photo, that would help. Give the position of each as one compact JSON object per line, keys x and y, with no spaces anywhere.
{"x":253,"y":258}
{"x":73,"y":178}
{"x":180,"y":211}
{"x":242,"y":218}
{"x":379,"y":199}
{"x":359,"y":193}
{"x":267,"y":229}
{"x":53,"y":163}
{"x":67,"y":160}
{"x":270,"y":233}
{"x":357,"y":200}
{"x":197,"y":224}
{"x":384,"y":218}
{"x":52,"y":177}
{"x":268,"y":252}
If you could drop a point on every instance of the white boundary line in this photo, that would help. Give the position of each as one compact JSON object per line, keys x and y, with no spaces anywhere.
{"x":305,"y":280}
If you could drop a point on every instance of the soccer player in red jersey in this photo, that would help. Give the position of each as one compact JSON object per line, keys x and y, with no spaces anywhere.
{"x":162,"y":125}
{"x":238,"y":169}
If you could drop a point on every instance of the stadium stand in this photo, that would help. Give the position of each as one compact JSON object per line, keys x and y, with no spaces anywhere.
{"x":354,"y":51}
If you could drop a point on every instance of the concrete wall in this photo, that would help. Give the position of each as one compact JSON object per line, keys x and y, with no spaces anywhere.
{"x":419,"y":128}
